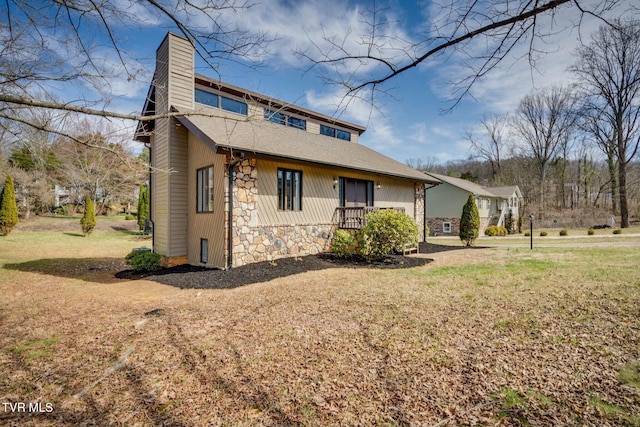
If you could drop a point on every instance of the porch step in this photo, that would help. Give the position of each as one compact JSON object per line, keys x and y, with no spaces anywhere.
{"x":410,"y":249}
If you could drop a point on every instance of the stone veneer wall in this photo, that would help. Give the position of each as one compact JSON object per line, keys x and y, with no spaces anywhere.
{"x":419,"y":210}
{"x":253,"y":243}
{"x":435,"y":226}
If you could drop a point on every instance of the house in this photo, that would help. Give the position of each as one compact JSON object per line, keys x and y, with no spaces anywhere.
{"x":447,"y":200}
{"x":239,"y":177}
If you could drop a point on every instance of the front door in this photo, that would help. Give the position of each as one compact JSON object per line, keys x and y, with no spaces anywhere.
{"x":356,"y":192}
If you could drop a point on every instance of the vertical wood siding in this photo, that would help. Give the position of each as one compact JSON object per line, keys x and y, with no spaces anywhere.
{"x":208,"y":225}
{"x":319,"y":198}
{"x":174,"y":86}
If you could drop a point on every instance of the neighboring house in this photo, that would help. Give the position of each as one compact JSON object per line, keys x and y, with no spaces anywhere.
{"x":447,"y":200}
{"x":240,"y":177}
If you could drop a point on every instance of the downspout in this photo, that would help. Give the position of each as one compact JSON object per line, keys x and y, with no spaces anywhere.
{"x":424,"y":213}
{"x":151,"y":205}
{"x":230,"y":213}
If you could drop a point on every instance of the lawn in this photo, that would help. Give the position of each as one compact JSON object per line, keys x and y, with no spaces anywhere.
{"x":495,"y":336}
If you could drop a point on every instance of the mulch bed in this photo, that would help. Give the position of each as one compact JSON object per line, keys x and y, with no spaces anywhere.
{"x":193,"y":277}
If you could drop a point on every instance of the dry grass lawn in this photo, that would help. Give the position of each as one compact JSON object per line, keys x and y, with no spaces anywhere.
{"x":478,"y":337}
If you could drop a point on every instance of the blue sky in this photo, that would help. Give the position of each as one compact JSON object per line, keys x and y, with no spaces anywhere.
{"x":408,"y":124}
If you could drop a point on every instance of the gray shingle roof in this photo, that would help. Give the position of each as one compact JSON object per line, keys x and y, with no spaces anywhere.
{"x":265,"y":138}
{"x":469,"y":186}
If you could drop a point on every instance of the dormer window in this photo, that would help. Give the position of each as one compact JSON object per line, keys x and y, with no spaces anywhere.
{"x":219,"y":101}
{"x":335,"y":133}
{"x":285,"y":119}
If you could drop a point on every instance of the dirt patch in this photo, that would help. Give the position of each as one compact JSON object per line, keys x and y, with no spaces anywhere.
{"x":193,"y":277}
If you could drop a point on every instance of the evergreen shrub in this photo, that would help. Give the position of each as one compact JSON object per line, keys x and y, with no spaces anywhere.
{"x":143,"y":260}
{"x":8,"y":207}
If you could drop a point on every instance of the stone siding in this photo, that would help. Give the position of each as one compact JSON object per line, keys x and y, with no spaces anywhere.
{"x":435,"y":226}
{"x":254,"y":243}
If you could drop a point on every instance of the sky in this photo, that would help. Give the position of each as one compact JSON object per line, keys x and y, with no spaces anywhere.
{"x":407,"y":121}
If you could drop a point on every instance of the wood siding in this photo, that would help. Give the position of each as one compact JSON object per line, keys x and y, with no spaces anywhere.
{"x":181,"y":77}
{"x":209,"y":225}
{"x":319,"y":198}
{"x":174,"y":86}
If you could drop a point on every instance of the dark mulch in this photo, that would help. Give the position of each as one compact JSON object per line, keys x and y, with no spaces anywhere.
{"x":192,"y":277}
{"x":188,"y":276}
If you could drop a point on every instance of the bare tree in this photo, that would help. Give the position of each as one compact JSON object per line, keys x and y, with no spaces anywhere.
{"x":544,"y":122}
{"x":491,"y":141}
{"x":482,"y":33}
{"x":100,"y":174}
{"x":600,"y":131}
{"x":70,"y":56}
{"x":609,"y":71}
{"x":424,"y":164}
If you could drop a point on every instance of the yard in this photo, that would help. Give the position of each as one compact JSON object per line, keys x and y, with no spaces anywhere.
{"x":499,"y":335}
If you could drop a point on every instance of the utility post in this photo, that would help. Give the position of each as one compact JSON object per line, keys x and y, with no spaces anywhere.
{"x":531,"y":218}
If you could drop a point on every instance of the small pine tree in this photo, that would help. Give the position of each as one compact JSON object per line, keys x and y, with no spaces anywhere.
{"x":8,"y":207}
{"x":143,"y":206}
{"x":88,"y":221}
{"x":508,"y":222}
{"x":469,"y":222}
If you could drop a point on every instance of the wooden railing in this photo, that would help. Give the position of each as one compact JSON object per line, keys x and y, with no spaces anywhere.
{"x":355,"y":217}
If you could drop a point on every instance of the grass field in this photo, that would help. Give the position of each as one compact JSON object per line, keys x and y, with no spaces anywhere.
{"x":495,"y":336}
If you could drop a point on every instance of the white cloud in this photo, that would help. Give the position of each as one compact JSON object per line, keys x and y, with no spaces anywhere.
{"x":326,"y":30}
{"x":503,"y":87}
{"x":380,"y":134}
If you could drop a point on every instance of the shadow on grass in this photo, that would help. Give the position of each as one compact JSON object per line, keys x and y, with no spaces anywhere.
{"x":431,"y":248}
{"x":74,"y":234}
{"x":98,"y":270}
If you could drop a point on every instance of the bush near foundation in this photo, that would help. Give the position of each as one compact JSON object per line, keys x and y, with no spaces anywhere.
{"x":388,"y":231}
{"x":344,"y":244}
{"x":143,"y":260}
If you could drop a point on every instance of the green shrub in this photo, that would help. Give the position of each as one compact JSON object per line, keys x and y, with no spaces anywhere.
{"x":491,"y":230}
{"x":8,"y":207}
{"x":141,"y":260}
{"x":543,"y":233}
{"x":344,"y":244}
{"x":494,"y":230}
{"x":527,"y":234}
{"x":509,"y":222}
{"x":564,"y":232}
{"x":469,"y":222}
{"x":591,"y":232}
{"x":617,"y":231}
{"x":143,"y":206}
{"x":129,"y":217}
{"x":88,"y":220}
{"x":387,"y":230}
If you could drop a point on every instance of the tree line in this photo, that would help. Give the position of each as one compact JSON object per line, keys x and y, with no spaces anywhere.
{"x":570,"y":148}
{"x":54,"y":174}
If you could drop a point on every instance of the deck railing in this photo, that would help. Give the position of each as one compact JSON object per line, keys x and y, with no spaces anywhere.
{"x":355,"y":217}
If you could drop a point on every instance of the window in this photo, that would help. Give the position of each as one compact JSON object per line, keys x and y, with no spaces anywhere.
{"x":218,"y":101}
{"x":489,"y":204}
{"x":286,"y":120}
{"x":446,"y":227}
{"x":289,"y":190}
{"x":232,"y":105}
{"x":335,"y":133}
{"x":207,"y":98}
{"x":204,"y":251}
{"x":204,"y":189}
